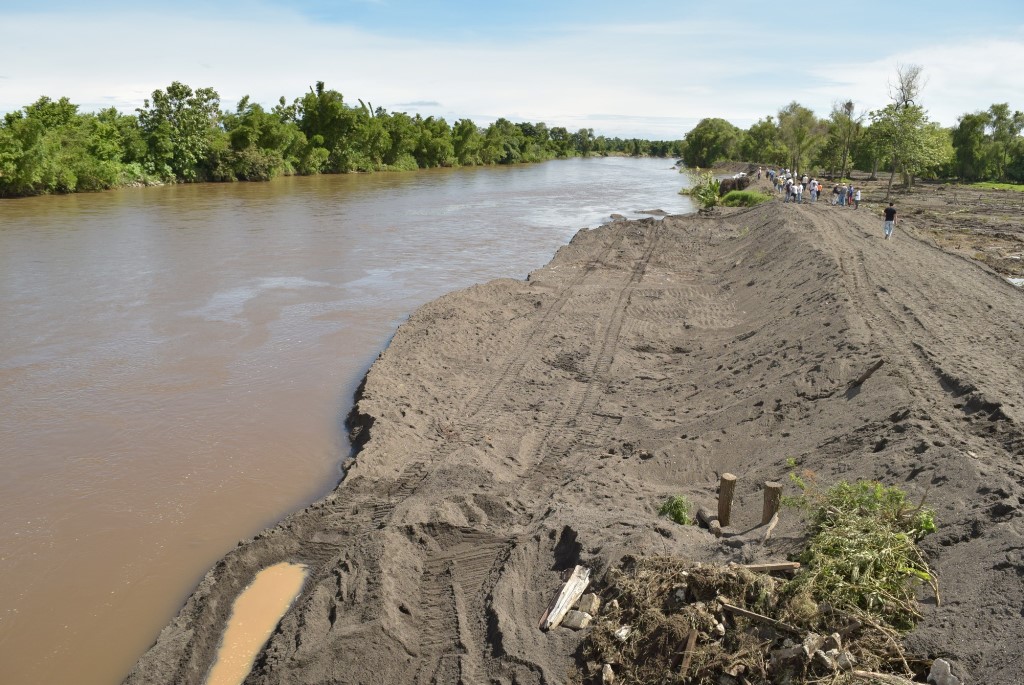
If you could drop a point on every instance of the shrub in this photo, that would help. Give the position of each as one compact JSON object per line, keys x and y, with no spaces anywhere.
{"x":744,"y":198}
{"x":703,"y":189}
{"x":677,"y":508}
{"x":862,"y":555}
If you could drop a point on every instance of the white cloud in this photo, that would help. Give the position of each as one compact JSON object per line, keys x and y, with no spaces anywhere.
{"x":650,"y":80}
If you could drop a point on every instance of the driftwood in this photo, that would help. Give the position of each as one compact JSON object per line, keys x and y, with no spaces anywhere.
{"x":709,"y":521}
{"x":884,"y":677}
{"x":691,"y":641}
{"x":768,"y":567}
{"x":753,"y":615}
{"x":867,"y":374}
{"x":567,"y":597}
{"x":771,"y":526}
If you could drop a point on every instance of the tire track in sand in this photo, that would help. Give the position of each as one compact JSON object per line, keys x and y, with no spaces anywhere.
{"x":485,"y":403}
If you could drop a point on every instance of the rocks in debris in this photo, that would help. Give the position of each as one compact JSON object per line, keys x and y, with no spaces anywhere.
{"x":823,"y":662}
{"x":589,"y":603}
{"x":622,"y":633}
{"x":845,"y":661}
{"x":941,"y":674}
{"x":607,"y":675}
{"x":821,"y":653}
{"x":577,"y":620}
{"x":833,"y":641}
{"x":812,"y":643}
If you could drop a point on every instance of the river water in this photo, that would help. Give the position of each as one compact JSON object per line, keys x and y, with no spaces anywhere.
{"x":176,"y":364}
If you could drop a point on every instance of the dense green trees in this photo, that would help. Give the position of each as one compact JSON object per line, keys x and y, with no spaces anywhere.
{"x":183,"y":135}
{"x":989,"y":145}
{"x":899,"y":138}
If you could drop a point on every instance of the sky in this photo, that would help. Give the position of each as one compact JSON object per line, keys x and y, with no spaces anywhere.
{"x":628,"y":68}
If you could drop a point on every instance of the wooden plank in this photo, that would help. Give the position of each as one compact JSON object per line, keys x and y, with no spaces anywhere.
{"x":770,"y":566}
{"x":571,"y":591}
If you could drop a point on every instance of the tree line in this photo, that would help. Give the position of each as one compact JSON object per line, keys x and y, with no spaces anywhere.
{"x":183,"y":135}
{"x":898,"y":138}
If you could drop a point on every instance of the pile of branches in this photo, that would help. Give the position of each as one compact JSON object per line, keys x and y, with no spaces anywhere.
{"x":838,"y":620}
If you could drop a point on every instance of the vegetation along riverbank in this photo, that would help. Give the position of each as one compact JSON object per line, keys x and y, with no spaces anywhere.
{"x":183,"y":135}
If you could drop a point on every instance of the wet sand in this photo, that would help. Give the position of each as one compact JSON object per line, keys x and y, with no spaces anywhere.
{"x":516,"y":428}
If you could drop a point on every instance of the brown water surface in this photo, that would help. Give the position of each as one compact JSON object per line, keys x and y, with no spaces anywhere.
{"x":176,"y":364}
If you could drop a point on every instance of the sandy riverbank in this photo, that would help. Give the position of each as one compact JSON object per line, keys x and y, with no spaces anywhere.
{"x":514,"y":429}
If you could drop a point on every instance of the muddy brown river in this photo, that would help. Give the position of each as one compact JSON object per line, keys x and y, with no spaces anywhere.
{"x":176,"y":364}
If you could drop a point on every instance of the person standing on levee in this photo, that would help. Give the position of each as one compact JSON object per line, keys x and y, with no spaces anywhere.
{"x":890,"y":220}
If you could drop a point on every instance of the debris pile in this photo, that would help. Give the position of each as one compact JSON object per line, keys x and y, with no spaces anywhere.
{"x":669,"y":621}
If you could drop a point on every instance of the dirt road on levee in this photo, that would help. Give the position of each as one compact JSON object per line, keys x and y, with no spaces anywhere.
{"x":515,"y":429}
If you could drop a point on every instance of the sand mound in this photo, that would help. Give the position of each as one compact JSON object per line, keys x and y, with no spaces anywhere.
{"x":515,"y":429}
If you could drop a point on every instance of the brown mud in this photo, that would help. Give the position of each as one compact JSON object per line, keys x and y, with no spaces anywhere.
{"x":516,"y":428}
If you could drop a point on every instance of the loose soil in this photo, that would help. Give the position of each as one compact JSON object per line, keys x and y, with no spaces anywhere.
{"x":517,"y":428}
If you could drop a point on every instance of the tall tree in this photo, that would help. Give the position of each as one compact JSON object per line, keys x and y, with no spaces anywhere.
{"x":179,"y":126}
{"x":709,"y":141}
{"x":1004,"y":128}
{"x":970,"y":143}
{"x":910,"y":143}
{"x":762,"y":143}
{"x":844,"y":127}
{"x":801,"y":132}
{"x":903,"y":133}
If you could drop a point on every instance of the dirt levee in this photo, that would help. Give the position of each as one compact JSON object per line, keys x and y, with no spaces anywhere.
{"x":515,"y":429}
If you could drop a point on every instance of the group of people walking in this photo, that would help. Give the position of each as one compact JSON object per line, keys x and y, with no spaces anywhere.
{"x":793,"y":186}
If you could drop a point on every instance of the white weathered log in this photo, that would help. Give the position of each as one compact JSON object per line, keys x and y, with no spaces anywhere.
{"x":567,"y":597}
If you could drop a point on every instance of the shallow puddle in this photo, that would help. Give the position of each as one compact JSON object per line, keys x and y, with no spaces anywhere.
{"x":253,"y":618}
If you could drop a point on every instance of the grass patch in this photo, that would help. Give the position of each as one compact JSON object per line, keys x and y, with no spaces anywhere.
{"x":992,"y":185}
{"x":744,"y":198}
{"x":678,"y":509}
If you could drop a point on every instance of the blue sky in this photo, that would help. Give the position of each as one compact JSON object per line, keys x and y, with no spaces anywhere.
{"x":629,"y":68}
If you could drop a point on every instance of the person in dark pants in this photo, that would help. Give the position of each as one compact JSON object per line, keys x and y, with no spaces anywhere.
{"x":890,"y":220}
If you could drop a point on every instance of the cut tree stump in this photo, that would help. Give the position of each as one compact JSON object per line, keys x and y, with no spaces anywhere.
{"x":772,"y":498}
{"x":726,"y":488}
